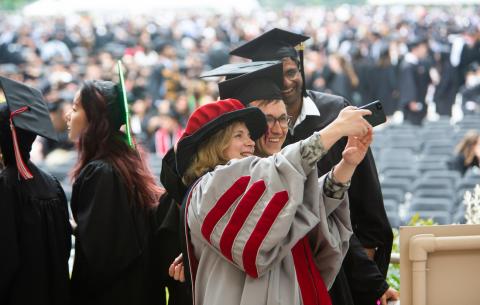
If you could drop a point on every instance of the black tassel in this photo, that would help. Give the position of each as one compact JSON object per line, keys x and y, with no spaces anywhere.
{"x":302,"y":69}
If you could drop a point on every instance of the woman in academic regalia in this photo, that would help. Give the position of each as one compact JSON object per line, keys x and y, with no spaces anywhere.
{"x":113,"y":196}
{"x":34,"y":227}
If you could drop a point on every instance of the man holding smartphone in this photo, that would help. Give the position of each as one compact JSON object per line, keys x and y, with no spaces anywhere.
{"x":362,"y":278}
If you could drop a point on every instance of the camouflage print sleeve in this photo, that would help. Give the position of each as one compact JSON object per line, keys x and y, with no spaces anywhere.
{"x":334,"y":189}
{"x":312,"y":149}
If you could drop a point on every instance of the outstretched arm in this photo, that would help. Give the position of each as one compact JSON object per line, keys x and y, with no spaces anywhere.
{"x":352,"y":155}
{"x":349,"y":122}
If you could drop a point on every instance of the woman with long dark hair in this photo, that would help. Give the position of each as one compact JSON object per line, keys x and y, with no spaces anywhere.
{"x":113,"y":195}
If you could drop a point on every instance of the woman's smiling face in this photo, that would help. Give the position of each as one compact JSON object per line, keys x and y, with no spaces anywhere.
{"x":240,"y":145}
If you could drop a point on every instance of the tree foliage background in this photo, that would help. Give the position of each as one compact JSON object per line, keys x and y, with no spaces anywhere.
{"x":11,"y":5}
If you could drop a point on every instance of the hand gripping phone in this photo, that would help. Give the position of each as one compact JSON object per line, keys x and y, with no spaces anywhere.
{"x":378,"y":116}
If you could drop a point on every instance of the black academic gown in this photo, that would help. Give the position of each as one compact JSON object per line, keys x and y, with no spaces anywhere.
{"x":169,"y":233}
{"x":457,"y":163}
{"x":414,"y":80}
{"x":369,"y":219}
{"x":165,"y":248}
{"x":468,"y":55}
{"x":338,"y":83}
{"x":470,"y":95}
{"x":383,"y":86}
{"x":363,"y":69}
{"x":112,"y":240}
{"x":446,"y":90}
{"x":35,"y":239}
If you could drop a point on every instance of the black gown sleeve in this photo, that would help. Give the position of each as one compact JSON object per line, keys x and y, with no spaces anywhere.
{"x":9,"y":255}
{"x":165,"y":248}
{"x":407,"y":86}
{"x":369,"y":219}
{"x":107,"y":235}
{"x":367,"y":284}
{"x":457,"y":163}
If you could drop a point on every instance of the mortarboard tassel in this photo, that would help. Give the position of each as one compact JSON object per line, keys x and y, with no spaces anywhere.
{"x":300,"y":49}
{"x":124,"y":102}
{"x":21,"y":166}
{"x":304,"y":89}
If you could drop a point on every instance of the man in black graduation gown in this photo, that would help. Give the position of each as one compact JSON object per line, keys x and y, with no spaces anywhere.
{"x":361,"y":280}
{"x":382,"y":82}
{"x":447,"y":87}
{"x":468,"y":53}
{"x":34,"y":226}
{"x":470,"y":91}
{"x":414,"y":80}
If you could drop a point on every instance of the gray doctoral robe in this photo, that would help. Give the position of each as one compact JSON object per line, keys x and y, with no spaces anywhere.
{"x":247,"y":220}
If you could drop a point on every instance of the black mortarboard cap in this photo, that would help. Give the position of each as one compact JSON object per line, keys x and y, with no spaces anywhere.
{"x":36,"y":118}
{"x":273,"y":45}
{"x":263,"y":84}
{"x":28,"y":111}
{"x":234,"y":70}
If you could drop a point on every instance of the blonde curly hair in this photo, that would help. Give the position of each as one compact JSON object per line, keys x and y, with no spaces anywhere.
{"x":210,"y":154}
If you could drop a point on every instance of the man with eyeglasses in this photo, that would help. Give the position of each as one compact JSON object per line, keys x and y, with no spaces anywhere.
{"x":277,"y":123}
{"x":362,"y":278}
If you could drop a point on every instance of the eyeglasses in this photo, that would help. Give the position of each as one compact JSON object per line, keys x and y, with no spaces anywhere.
{"x":283,"y":120}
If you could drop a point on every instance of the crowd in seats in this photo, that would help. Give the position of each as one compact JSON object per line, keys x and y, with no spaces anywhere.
{"x":414,"y":170}
{"x":354,"y":51}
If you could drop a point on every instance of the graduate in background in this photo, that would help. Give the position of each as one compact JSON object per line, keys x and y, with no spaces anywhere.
{"x":413,"y":81}
{"x":34,"y":227}
{"x":113,"y":195}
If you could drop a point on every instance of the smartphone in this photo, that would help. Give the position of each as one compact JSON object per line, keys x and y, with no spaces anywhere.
{"x":378,"y":115}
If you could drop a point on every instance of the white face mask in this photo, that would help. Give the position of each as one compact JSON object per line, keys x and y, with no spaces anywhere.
{"x":472,"y":80}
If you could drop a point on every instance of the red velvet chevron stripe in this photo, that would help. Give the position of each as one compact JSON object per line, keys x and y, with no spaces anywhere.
{"x":312,"y":287}
{"x":222,"y":205}
{"x":21,"y":166}
{"x":239,"y":216}
{"x":269,"y":215}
